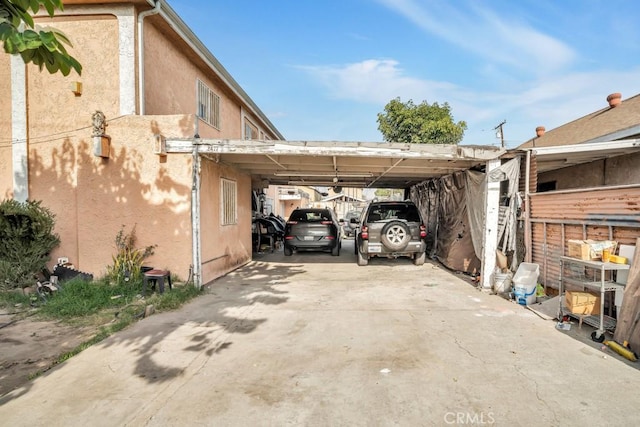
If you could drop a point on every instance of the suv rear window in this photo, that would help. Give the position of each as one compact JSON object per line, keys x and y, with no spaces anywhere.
{"x":408,"y":212}
{"x":310,"y":216}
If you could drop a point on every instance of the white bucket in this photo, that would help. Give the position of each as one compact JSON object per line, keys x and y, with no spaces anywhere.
{"x":525,"y":283}
{"x":501,"y":282}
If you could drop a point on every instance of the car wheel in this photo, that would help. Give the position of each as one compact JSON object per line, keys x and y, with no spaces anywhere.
{"x":419,"y":258}
{"x":395,"y":235}
{"x":287,"y":250}
{"x":362,"y":260}
{"x":336,"y":250}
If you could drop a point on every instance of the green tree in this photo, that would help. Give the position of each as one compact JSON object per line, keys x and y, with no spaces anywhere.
{"x":420,"y":124}
{"x":42,"y":46}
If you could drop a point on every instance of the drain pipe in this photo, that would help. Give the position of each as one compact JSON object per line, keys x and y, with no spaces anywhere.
{"x":195,"y":216}
{"x":156,"y":9}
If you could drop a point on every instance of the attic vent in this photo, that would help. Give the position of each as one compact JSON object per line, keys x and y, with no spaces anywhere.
{"x":614,"y":99}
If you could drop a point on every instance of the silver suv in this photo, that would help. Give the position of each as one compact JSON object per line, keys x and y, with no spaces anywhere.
{"x":391,"y":230}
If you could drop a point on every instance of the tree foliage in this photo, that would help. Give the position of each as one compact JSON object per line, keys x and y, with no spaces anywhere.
{"x":26,"y":240}
{"x":420,"y":124}
{"x":43,"y":46}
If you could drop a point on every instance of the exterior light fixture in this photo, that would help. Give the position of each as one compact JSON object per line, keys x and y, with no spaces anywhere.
{"x":101,"y":141}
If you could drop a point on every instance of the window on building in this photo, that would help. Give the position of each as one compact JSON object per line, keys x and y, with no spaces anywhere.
{"x":229,"y":205}
{"x":208,"y":105}
{"x":250,"y":130}
{"x":546,"y":186}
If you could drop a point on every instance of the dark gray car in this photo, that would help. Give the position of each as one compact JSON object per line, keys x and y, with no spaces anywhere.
{"x":391,"y":230}
{"x":312,"y":229}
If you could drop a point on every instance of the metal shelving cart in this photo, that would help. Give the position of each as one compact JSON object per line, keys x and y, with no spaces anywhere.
{"x":597,"y":281}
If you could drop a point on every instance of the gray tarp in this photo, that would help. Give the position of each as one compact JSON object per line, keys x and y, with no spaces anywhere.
{"x":442,"y":202}
{"x":453,"y":207}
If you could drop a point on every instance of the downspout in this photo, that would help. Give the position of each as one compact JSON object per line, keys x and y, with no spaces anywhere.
{"x":156,"y":9}
{"x":195,"y":217}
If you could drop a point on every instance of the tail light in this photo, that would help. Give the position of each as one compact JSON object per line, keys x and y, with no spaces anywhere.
{"x":423,"y":231}
{"x":329,"y":237}
{"x":364,"y":233}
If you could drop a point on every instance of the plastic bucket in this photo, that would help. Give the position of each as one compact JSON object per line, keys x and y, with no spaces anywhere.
{"x":524,"y":294}
{"x":501,"y":283}
{"x":525,"y":282}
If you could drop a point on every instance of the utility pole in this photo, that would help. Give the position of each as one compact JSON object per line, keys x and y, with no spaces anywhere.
{"x":499,"y":131}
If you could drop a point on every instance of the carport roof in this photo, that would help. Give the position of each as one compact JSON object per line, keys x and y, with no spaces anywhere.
{"x":352,"y":164}
{"x":562,"y":156}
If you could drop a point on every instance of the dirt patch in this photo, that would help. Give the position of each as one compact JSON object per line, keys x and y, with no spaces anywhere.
{"x":30,"y":345}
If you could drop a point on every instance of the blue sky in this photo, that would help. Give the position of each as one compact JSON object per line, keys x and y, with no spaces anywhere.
{"x":323,"y":69}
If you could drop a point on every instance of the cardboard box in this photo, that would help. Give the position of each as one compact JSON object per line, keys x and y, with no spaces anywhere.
{"x":579,"y":302}
{"x":590,"y":250}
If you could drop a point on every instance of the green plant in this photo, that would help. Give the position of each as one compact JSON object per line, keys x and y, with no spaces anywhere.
{"x":128,"y":260}
{"x":26,"y":240}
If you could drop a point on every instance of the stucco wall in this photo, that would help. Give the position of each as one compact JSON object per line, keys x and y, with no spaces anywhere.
{"x":614,"y":171}
{"x":623,"y":170}
{"x":170,"y":85}
{"x":6,"y":169}
{"x":94,"y":197}
{"x":224,"y":247}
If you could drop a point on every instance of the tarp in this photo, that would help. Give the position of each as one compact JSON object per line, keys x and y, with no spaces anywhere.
{"x":453,"y":208}
{"x":442,"y":202}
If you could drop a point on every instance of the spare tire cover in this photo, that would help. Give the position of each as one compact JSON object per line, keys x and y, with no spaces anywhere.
{"x":395,"y":235}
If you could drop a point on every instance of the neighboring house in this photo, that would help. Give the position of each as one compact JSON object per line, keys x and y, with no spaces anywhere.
{"x":151,"y":77}
{"x":341,"y":203}
{"x":584,"y":183}
{"x":281,"y":200}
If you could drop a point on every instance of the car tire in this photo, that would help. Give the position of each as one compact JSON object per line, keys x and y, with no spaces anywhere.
{"x":395,"y":235}
{"x":287,"y":250}
{"x":419,"y":258}
{"x":362,"y":259}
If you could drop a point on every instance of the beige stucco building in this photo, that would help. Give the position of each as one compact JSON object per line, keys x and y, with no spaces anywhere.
{"x":153,"y":80}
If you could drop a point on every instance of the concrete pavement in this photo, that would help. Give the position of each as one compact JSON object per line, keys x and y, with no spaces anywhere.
{"x":315,"y":340}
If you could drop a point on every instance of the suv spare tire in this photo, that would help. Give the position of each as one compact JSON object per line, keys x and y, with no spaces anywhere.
{"x":396,"y":235}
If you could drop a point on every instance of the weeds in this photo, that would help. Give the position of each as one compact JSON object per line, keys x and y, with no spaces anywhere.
{"x":128,"y":260}
{"x":106,"y":307}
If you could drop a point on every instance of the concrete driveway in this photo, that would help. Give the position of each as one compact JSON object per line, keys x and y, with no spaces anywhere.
{"x":315,"y":340}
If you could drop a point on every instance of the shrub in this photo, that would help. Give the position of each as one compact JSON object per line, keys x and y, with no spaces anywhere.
{"x":26,"y":241}
{"x":128,"y":260}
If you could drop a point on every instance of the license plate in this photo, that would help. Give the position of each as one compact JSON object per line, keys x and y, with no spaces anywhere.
{"x":308,"y":238}
{"x":376,"y":249}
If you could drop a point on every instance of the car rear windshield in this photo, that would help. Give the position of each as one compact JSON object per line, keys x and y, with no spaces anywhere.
{"x":310,"y":216}
{"x":394,"y":211}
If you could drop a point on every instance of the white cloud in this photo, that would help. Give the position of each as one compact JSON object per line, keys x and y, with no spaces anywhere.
{"x":503,"y":39}
{"x":375,"y":81}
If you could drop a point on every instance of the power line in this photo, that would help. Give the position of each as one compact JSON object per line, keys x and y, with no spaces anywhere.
{"x":40,"y":139}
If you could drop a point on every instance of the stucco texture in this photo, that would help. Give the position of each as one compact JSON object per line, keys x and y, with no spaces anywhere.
{"x":172,"y":86}
{"x":620,"y":170}
{"x":223,"y":246}
{"x":94,"y":197}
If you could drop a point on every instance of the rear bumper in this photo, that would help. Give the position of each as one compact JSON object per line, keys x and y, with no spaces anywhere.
{"x":378,"y":249}
{"x":312,"y":244}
